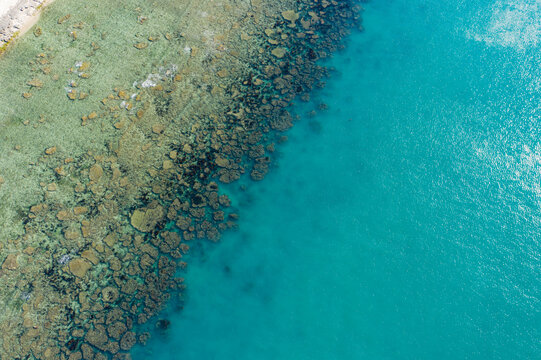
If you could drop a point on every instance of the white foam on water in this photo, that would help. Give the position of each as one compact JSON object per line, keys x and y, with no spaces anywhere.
{"x":513,"y":24}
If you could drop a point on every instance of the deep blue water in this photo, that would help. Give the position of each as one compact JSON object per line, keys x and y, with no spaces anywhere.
{"x":401,"y":223}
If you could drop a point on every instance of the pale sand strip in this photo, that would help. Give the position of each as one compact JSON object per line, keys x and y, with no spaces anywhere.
{"x":17,"y":16}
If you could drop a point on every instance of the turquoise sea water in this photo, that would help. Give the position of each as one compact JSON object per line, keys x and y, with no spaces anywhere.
{"x":401,"y":223}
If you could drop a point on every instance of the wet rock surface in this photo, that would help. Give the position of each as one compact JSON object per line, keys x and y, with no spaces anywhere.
{"x":108,"y":237}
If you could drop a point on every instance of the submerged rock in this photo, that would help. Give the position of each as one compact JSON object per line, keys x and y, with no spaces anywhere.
{"x":79,"y":267}
{"x":109,"y":294}
{"x":37,"y":83}
{"x":145,"y":219}
{"x":127,"y":341}
{"x":279,"y":52}
{"x":291,"y":16}
{"x":141,"y":45}
{"x":10,"y":263}
{"x":97,"y":337}
{"x":116,"y":330}
{"x":96,"y":172}
{"x":63,"y":18}
{"x":51,"y":150}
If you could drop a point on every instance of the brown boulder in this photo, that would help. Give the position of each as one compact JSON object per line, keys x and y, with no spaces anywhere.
{"x":279,"y":52}
{"x":127,"y":341}
{"x":130,"y":286}
{"x":97,"y":337}
{"x":88,"y":353}
{"x":290,"y":15}
{"x":96,"y":172}
{"x":109,"y":294}
{"x":145,"y":219}
{"x":10,"y":263}
{"x":79,"y":267}
{"x":222,"y":162}
{"x":90,"y":255}
{"x":116,"y":330}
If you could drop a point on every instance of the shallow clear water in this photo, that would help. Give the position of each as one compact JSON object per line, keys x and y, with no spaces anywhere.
{"x":401,"y":223}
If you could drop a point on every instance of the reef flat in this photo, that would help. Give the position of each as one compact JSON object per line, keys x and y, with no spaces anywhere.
{"x":119,"y":121}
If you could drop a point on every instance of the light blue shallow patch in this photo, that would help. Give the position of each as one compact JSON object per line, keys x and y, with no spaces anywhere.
{"x":401,"y":223}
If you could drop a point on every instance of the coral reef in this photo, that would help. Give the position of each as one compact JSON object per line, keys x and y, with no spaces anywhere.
{"x":109,"y":232}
